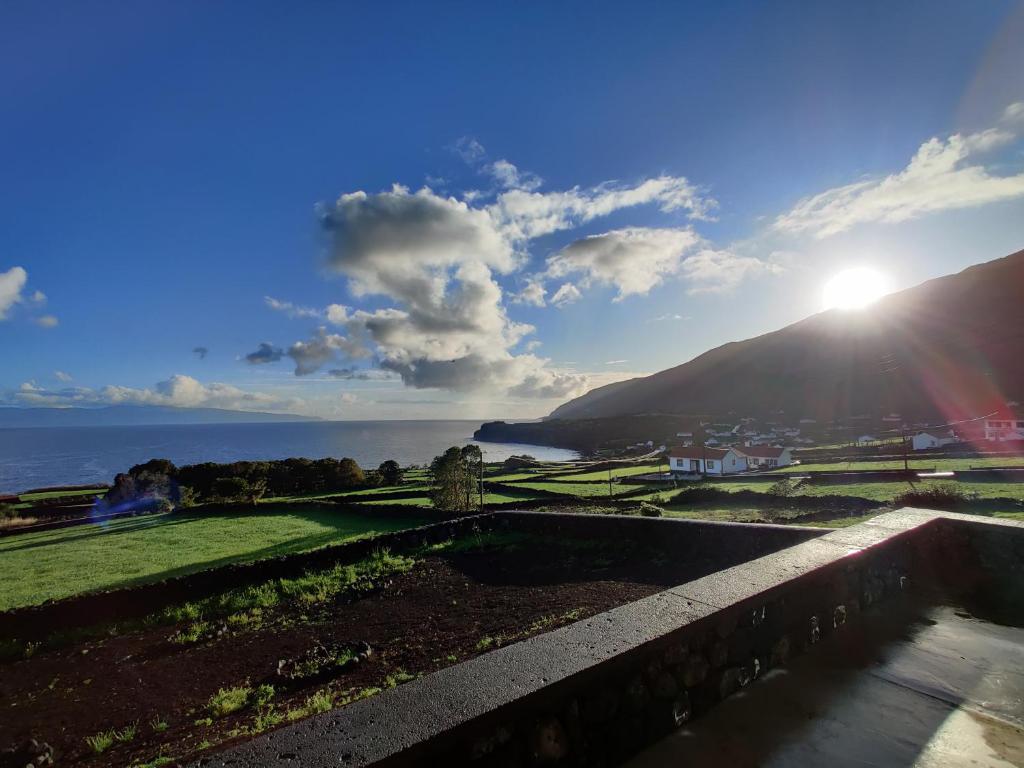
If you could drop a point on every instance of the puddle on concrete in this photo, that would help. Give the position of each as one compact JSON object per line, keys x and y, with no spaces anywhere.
{"x":924,"y":687}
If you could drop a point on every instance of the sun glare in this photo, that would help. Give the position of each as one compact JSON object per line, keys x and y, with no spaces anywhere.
{"x":854,"y":289}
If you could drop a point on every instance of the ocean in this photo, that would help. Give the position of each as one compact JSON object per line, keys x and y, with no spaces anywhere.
{"x":47,"y":456}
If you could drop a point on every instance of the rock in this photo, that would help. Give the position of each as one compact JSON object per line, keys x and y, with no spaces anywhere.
{"x":780,"y":651}
{"x":815,"y":633}
{"x":600,"y":708}
{"x":728,"y":682}
{"x":676,"y":654}
{"x":695,"y":671}
{"x":681,"y":709}
{"x":548,"y":741}
{"x":719,"y":654}
{"x":664,"y":686}
{"x":636,"y":696}
{"x":839,"y":616}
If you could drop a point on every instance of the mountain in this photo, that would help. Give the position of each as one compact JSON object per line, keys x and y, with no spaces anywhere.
{"x":950,"y":348}
{"x":131,"y":415}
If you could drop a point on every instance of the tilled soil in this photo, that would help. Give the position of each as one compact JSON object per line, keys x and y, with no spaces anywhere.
{"x":448,"y":608}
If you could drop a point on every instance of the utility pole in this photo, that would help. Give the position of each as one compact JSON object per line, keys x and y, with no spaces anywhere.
{"x":481,"y":481}
{"x":903,"y":439}
{"x":609,"y":482}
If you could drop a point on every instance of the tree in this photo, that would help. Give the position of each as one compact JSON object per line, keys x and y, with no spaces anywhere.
{"x":230,"y":488}
{"x":390,"y":472}
{"x":473,"y":458}
{"x":452,"y":484}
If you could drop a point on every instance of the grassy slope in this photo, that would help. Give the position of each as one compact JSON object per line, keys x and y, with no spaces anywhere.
{"x":55,"y":564}
{"x":915,"y":463}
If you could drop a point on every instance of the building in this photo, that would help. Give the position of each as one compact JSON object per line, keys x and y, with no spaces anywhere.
{"x":695,"y":460}
{"x":766,"y":456}
{"x":866,"y":440}
{"x":922,"y":441}
{"x":1005,"y":426}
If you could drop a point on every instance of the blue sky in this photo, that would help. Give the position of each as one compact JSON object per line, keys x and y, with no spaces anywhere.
{"x":611,"y":190}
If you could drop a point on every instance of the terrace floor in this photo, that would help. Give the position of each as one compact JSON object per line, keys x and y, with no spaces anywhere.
{"x":945,"y":689}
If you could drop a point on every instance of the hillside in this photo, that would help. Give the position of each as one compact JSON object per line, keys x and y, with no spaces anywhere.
{"x":949,"y":348}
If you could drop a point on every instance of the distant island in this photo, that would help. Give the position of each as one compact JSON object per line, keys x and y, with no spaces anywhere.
{"x":135,"y":415}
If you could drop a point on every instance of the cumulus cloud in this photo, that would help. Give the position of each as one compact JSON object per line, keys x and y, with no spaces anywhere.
{"x":178,"y":391}
{"x":62,"y":376}
{"x":11,"y":284}
{"x":361,"y":374}
{"x":631,"y":260}
{"x":46,"y":321}
{"x":436,"y":261}
{"x":200,"y":352}
{"x":942,"y":175}
{"x":265,"y":353}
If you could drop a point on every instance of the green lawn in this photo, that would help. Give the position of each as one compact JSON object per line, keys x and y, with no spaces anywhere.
{"x":45,"y":495}
{"x":940,"y":464}
{"x":602,"y":474}
{"x":41,"y":566}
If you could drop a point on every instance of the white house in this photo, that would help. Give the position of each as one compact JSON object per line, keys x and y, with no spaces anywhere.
{"x":1006,"y":426}
{"x":766,"y":456}
{"x":706,"y":461}
{"x":922,"y":441}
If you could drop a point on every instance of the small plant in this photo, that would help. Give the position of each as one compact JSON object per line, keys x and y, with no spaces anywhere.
{"x":484,"y":643}
{"x":650,"y":510}
{"x":158,"y":724}
{"x":203,"y":721}
{"x":193,"y":633}
{"x":228,"y":700}
{"x":100,"y":742}
{"x":397,"y":678}
{"x":263,"y":695}
{"x":126,"y":734}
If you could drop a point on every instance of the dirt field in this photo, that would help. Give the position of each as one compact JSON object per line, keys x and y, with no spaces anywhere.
{"x":151,"y":696}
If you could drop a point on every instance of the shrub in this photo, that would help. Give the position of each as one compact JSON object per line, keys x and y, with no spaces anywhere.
{"x":940,"y":496}
{"x":7,"y":511}
{"x":101,"y":742}
{"x":230,"y":488}
{"x":390,"y":472}
{"x":650,"y":510}
{"x":782,"y":488}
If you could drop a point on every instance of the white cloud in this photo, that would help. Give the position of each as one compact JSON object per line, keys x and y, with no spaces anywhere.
{"x":524,"y":215}
{"x":436,"y":260}
{"x":290,"y":309}
{"x":632,"y":260}
{"x":532,"y":293}
{"x":435,"y":257}
{"x":567,"y":293}
{"x":11,"y":284}
{"x":469,"y":149}
{"x":509,"y":176}
{"x":62,"y":376}
{"x":720,"y":271}
{"x":942,"y":175}
{"x":179,"y":391}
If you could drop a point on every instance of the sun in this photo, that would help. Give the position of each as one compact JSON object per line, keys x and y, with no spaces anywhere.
{"x":854,"y":288}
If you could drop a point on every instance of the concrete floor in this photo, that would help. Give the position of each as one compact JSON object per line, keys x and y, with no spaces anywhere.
{"x":945,"y":689}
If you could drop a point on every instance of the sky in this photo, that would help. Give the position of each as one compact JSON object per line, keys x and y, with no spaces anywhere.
{"x":474,"y":210}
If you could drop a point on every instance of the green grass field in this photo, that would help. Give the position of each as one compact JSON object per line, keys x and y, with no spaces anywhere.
{"x":916,"y":464}
{"x":35,"y":567}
